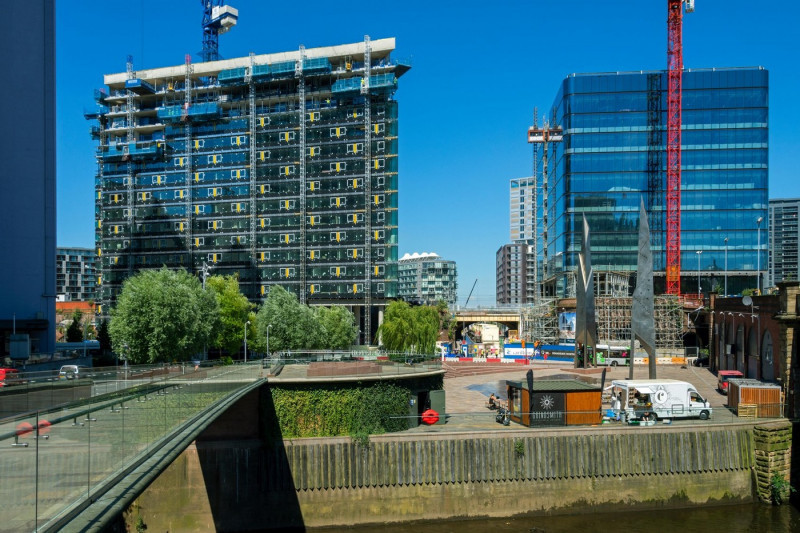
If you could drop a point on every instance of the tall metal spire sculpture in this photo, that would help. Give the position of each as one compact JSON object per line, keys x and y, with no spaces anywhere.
{"x":585,"y":320}
{"x":642,"y":314}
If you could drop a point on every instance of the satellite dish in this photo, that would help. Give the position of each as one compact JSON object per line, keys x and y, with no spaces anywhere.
{"x":747,"y":300}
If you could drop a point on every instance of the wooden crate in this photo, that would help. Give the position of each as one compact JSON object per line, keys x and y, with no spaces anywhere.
{"x":747,"y":410}
{"x":765,"y":396}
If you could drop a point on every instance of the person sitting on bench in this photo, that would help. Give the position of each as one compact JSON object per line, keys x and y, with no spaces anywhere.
{"x":492,"y":401}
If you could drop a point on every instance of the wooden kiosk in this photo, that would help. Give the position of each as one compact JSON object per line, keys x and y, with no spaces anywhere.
{"x":554,"y":402}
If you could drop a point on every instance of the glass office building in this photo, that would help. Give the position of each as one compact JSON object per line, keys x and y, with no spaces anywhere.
{"x":613,"y":155}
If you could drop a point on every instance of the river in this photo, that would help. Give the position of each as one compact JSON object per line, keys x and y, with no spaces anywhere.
{"x":723,"y":519}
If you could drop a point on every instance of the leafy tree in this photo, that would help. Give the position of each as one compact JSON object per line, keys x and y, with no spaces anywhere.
{"x":74,"y":331}
{"x":234,"y":312}
{"x":410,"y":328}
{"x":162,"y":315}
{"x":294,"y":326}
{"x":338,"y":325}
{"x":103,"y":337}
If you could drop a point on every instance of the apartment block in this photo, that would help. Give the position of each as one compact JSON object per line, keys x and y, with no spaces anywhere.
{"x":427,"y":278}
{"x":784,"y":233}
{"x":278,"y":168}
{"x":514,"y":274}
{"x":76,"y":274}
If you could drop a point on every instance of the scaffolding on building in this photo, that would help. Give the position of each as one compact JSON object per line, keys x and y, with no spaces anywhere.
{"x":540,"y":321}
{"x":279,"y":169}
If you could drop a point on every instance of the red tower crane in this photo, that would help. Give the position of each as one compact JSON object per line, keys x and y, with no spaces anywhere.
{"x":675,"y":73}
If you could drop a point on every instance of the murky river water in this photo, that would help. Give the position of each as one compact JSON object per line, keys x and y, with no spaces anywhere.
{"x":725,"y":519}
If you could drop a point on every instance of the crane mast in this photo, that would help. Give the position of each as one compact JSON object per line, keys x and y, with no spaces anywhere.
{"x":674,"y":104}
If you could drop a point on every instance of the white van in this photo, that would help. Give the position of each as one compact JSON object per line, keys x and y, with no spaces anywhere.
{"x":72,"y":372}
{"x":659,"y":398}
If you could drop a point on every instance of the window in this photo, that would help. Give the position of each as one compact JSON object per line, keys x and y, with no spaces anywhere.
{"x":263,"y":222}
{"x":380,"y":252}
{"x":199,"y":176}
{"x":338,"y":166}
{"x":380,"y":216}
{"x":145,"y":196}
{"x":286,"y":136}
{"x":378,"y":270}
{"x":355,"y":218}
{"x":199,"y":143}
{"x":157,"y":180}
{"x":213,"y":258}
{"x":180,"y":226}
{"x":338,"y":132}
{"x":312,"y":151}
{"x":238,"y":140}
{"x":179,"y":161}
{"x":355,"y":148}
{"x":180,"y":193}
{"x":199,"y":241}
{"x":263,"y":121}
{"x":263,"y":256}
{"x":126,"y":213}
{"x":239,"y":173}
{"x":381,"y":287}
{"x":312,"y":220}
{"x":199,"y":209}
{"x":313,"y":254}
{"x":338,"y":271}
{"x":378,"y":199}
{"x":287,"y":170}
{"x":355,"y":288}
{"x":379,"y":181}
{"x":380,"y":127}
{"x":355,"y":253}
{"x":313,"y":288}
{"x":286,"y":205}
{"x":355,"y":183}
{"x":214,"y":224}
{"x":239,"y":239}
{"x":377,"y":234}
{"x":215,"y":159}
{"x":213,"y":191}
{"x":287,"y":272}
{"x":238,"y":207}
{"x":263,"y":154}
{"x":380,"y":146}
{"x":312,"y":186}
{"x":286,"y":238}
{"x":313,"y":116}
{"x":338,"y":236}
{"x":338,"y":201}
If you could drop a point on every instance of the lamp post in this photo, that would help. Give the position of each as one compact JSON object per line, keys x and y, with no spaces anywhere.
{"x":698,"y":270}
{"x":758,"y":256}
{"x":726,"y":266}
{"x":269,"y":327}
{"x":246,"y":324}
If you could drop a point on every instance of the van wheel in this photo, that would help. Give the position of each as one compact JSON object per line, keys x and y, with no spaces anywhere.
{"x":613,"y":363}
{"x":703,"y":415}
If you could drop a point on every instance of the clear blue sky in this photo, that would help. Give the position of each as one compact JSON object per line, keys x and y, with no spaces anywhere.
{"x":479,"y":68}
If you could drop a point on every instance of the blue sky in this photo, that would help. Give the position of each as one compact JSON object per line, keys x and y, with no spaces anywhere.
{"x":479,"y":68}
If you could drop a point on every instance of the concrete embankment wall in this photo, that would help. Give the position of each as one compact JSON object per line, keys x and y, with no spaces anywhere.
{"x":323,"y":482}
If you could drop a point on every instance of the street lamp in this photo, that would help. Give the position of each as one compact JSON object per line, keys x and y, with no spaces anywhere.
{"x":268,"y":352}
{"x":698,"y":270}
{"x":726,"y":266}
{"x":246,"y":324}
{"x":758,"y":256}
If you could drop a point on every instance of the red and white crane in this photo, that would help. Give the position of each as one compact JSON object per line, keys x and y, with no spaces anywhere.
{"x":675,"y":73}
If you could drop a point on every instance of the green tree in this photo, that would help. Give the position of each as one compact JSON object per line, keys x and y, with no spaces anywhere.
{"x":103,"y":337}
{"x":74,"y":331}
{"x":338,"y":326}
{"x":162,"y":315}
{"x":294,"y":325}
{"x":407,"y":328}
{"x":234,"y":312}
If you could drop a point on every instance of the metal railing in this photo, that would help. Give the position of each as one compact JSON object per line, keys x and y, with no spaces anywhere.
{"x":57,"y":460}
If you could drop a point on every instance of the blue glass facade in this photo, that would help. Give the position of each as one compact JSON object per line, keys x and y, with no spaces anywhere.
{"x":613,"y":155}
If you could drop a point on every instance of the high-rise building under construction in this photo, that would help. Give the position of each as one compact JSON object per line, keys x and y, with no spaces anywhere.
{"x":278,"y":168}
